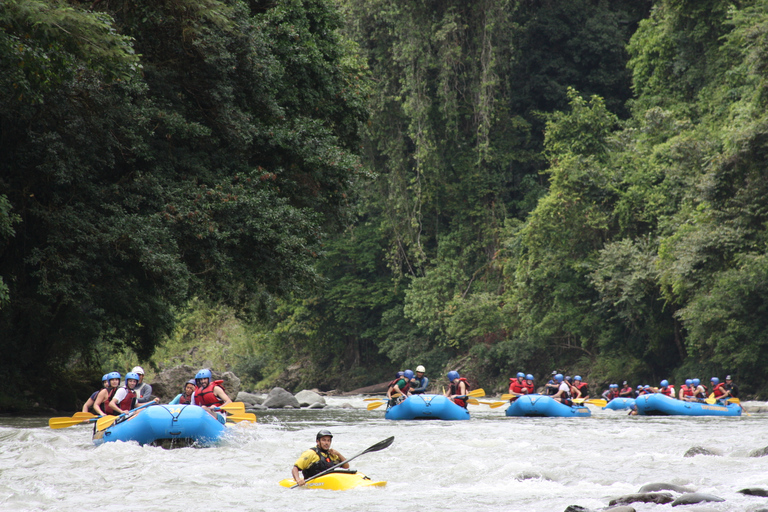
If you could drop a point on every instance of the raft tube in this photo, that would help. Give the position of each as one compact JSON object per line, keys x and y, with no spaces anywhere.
{"x":618,"y":404}
{"x":542,"y":405}
{"x":339,"y":480}
{"x":656,"y":404}
{"x":185,"y":424}
{"x":427,"y":407}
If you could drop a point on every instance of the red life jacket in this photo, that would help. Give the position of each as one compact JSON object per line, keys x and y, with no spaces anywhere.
{"x":687,"y":390}
{"x":626,"y":392}
{"x":205,"y":396}
{"x":185,"y":400}
{"x":517,"y":387}
{"x":610,"y":395}
{"x":125,"y":404}
{"x":719,"y":390}
{"x":669,"y":391}
{"x":404,"y":389}
{"x":530,"y":388}
{"x":454,"y":390}
{"x":583,"y":389}
{"x":702,"y":394}
{"x":105,"y":407}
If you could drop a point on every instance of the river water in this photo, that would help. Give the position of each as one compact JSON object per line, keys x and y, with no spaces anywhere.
{"x":491,"y":463}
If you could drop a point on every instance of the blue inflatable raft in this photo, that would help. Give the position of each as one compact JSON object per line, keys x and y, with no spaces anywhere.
{"x":542,"y":405}
{"x":181,"y":424}
{"x":657,"y":404}
{"x":618,"y":404}
{"x":426,"y":407}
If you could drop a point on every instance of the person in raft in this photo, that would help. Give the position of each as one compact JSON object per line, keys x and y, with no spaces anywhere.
{"x":611,"y":393}
{"x":626,"y":391}
{"x":185,"y":397}
{"x":101,"y":404}
{"x":125,"y":398}
{"x":699,"y":391}
{"x":517,"y":386}
{"x":529,"y":386}
{"x":718,"y":389}
{"x":399,"y":388}
{"x":563,"y":394}
{"x":457,"y":391}
{"x":210,"y":393}
{"x":582,"y":386}
{"x":666,"y":389}
{"x":686,"y":391}
{"x":92,"y":400}
{"x":419,"y":382}
{"x":551,"y":387}
{"x":731,"y":389}
{"x":316,"y":460}
{"x":143,"y":390}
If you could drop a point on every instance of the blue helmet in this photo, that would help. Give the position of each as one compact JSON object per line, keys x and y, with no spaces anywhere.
{"x":452,"y":375}
{"x":639,"y":386}
{"x":559,"y":377}
{"x":715,"y":380}
{"x":664,"y":383}
{"x":399,"y":374}
{"x":688,"y":382}
{"x":114,"y":375}
{"x":520,"y":375}
{"x":205,"y":373}
{"x":646,"y":386}
{"x":696,"y":382}
{"x":105,"y":377}
{"x":578,"y":377}
{"x":131,"y":375}
{"x":408,"y":374}
{"x":529,"y":377}
{"x":614,"y":386}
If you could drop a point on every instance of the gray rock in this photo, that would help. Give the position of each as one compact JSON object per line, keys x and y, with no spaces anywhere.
{"x":531,"y":476}
{"x":278,"y":398}
{"x":249,"y":398}
{"x":754,"y":491}
{"x":695,"y":497}
{"x":346,"y":405}
{"x":762,"y":452}
{"x":317,"y":405}
{"x":700,"y":450}
{"x":307,"y":398}
{"x":662,"y":486}
{"x":169,"y":383}
{"x":576,"y":508}
{"x":620,"y":509}
{"x":255,"y":408}
{"x":660,"y":498}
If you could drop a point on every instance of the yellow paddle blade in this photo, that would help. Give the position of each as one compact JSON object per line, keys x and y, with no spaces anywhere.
{"x":509,"y":396}
{"x":105,"y":422}
{"x":473,"y":401}
{"x":476,"y":392}
{"x":710,"y":399}
{"x":371,"y":399}
{"x":83,"y":415}
{"x":599,"y":402}
{"x":55,"y":423}
{"x":233,"y":407}
{"x":494,"y":405}
{"x":734,"y":401}
{"x":248,"y":416}
{"x":375,"y":405}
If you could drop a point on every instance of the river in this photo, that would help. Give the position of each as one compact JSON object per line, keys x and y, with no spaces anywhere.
{"x":491,"y":463}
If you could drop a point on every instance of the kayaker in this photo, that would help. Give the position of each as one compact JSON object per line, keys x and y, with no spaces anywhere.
{"x":517,"y":386}
{"x":686,"y":391}
{"x":210,"y":393}
{"x":529,"y":386}
{"x":101,"y":404}
{"x":143,"y":390}
{"x":611,"y":393}
{"x":666,"y":389}
{"x":419,"y":382}
{"x":731,"y":389}
{"x":89,"y":403}
{"x":399,"y":389}
{"x":457,"y":391}
{"x":718,"y":388}
{"x":551,"y":387}
{"x":125,"y":398}
{"x":185,"y":397}
{"x":563,"y":394}
{"x":317,"y":459}
{"x":582,"y":386}
{"x":626,"y":391}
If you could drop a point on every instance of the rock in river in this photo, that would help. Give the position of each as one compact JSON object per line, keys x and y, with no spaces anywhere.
{"x":659,"y":498}
{"x":279,"y":398}
{"x":695,"y":497}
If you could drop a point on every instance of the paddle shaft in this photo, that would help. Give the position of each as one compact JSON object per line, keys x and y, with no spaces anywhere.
{"x":378,"y":446}
{"x":106,"y":421}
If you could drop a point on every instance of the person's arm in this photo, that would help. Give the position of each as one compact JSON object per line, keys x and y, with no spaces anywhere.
{"x":119,"y":396}
{"x":87,"y":405}
{"x":219,"y":392}
{"x":306,"y":459}
{"x":575,"y":392}
{"x":335,"y":454}
{"x":175,"y":400}
{"x":296,"y":473}
{"x":605,"y":395}
{"x":100,"y":401}
{"x":423,"y":387}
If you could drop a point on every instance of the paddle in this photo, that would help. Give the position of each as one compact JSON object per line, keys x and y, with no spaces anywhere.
{"x":493,"y":405}
{"x":375,"y":405}
{"x":233,"y":407}
{"x":84,"y":415}
{"x":509,"y":396}
{"x":594,"y":401}
{"x":378,"y":446}
{"x":107,"y":421}
{"x":248,"y":416}
{"x":56,"y":423}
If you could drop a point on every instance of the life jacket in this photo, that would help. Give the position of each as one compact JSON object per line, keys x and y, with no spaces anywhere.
{"x":701,"y":394}
{"x":321,"y":465}
{"x":687,"y":390}
{"x":610,"y":395}
{"x":583,"y":389}
{"x":530,"y":388}
{"x":626,"y":392}
{"x":422,"y":382}
{"x":454,"y":390}
{"x":125,"y":404}
{"x":403,"y":389}
{"x":185,"y":400}
{"x":719,"y":390}
{"x":105,"y":407}
{"x":669,"y":391}
{"x":517,"y":386}
{"x":205,"y":396}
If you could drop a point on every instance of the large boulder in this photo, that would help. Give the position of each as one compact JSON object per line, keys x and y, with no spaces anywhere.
{"x":695,"y":497}
{"x":700,"y":450}
{"x":169,"y":383}
{"x":762,"y":452}
{"x":249,"y":398}
{"x":279,"y":398}
{"x":663,"y":486}
{"x":307,"y":398}
{"x":659,"y":498}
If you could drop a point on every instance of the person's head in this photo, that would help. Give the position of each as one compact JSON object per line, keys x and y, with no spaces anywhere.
{"x":131,"y":380}
{"x":520,"y":375}
{"x":529,"y":377}
{"x":559,"y":377}
{"x":577,"y":379}
{"x":688,"y":382}
{"x":138,"y":370}
{"x":728,"y":379}
{"x":420,"y":371}
{"x":408,"y":374}
{"x":613,"y":386}
{"x":114,"y":379}
{"x":715,"y":381}
{"x":105,"y":380}
{"x":647,"y":387}
{"x":639,"y":387}
{"x":323,"y":439}
{"x":399,"y":374}
{"x":624,"y":383}
{"x":203,"y":377}
{"x":568,"y":379}
{"x":664,"y":383}
{"x":696,"y":382}
{"x":453,"y":375}
{"x":189,"y":387}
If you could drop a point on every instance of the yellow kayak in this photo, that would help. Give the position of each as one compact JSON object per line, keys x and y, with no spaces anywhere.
{"x":337,"y":481}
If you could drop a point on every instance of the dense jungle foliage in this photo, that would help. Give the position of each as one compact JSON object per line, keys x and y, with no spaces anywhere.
{"x":363,"y":186}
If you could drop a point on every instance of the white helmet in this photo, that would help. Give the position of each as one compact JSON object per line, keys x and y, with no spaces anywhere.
{"x":420,"y":369}
{"x":138,"y":369}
